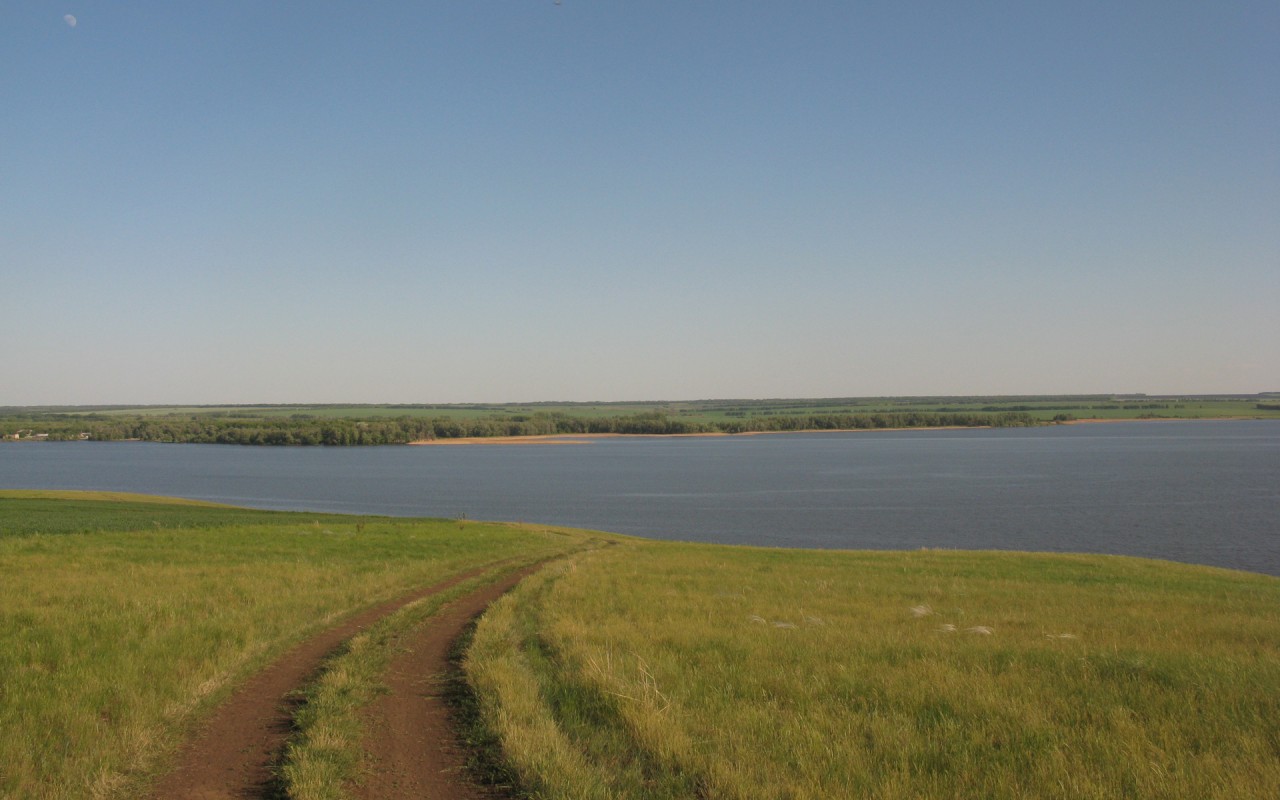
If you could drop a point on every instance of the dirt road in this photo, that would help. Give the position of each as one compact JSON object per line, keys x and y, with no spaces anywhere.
{"x":231,"y":757}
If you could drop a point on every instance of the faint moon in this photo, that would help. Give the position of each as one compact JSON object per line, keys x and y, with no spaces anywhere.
{"x":69,"y":19}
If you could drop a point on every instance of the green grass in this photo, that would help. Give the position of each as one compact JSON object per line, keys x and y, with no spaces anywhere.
{"x":641,"y":669}
{"x":52,"y":512}
{"x":370,"y":411}
{"x":122,"y":626}
{"x":659,"y":670}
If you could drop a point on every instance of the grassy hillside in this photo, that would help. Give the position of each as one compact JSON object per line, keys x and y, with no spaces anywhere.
{"x":642,"y":669}
{"x":123,"y":620}
{"x":661,"y":670}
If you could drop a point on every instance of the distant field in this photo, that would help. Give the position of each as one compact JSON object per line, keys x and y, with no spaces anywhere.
{"x":459,"y":411}
{"x":1043,"y":407}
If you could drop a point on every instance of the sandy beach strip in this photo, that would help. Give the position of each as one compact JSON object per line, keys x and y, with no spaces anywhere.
{"x":571,"y":438}
{"x":588,"y":438}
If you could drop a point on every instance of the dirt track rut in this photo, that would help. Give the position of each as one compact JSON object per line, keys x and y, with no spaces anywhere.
{"x":414,"y":750}
{"x":232,"y":755}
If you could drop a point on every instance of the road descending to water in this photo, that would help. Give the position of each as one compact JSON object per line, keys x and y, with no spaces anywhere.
{"x":413,"y":748}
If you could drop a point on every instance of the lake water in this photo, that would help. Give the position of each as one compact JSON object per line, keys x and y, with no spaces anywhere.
{"x":1201,"y":492}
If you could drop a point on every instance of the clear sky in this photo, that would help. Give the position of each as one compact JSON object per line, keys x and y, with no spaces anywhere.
{"x":241,"y":202}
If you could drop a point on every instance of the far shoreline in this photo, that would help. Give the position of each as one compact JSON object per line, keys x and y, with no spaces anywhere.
{"x":589,"y":438}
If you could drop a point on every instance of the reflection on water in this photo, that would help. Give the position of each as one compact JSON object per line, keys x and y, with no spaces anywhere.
{"x":1203,"y":492}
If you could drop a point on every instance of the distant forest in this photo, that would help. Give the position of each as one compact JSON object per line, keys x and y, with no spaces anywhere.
{"x":303,"y":429}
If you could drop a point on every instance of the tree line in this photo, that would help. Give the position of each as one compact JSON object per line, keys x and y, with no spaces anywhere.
{"x":309,"y":430}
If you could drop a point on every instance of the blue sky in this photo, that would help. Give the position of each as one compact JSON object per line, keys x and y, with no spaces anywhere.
{"x":243,"y":202}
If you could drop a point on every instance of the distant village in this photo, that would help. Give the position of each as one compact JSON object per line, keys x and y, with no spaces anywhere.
{"x":31,"y":434}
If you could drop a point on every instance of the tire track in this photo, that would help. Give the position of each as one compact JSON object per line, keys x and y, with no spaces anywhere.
{"x":414,"y":750}
{"x":233,"y":754}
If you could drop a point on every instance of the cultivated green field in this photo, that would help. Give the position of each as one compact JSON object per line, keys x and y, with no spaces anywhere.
{"x":1041,"y":406}
{"x":675,"y":671}
{"x":639,"y":669}
{"x":123,"y":621}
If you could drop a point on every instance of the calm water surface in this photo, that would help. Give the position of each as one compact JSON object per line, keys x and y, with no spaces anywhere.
{"x":1201,"y":492}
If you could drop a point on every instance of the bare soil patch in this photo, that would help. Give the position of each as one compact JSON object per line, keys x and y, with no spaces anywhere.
{"x":232,"y":756}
